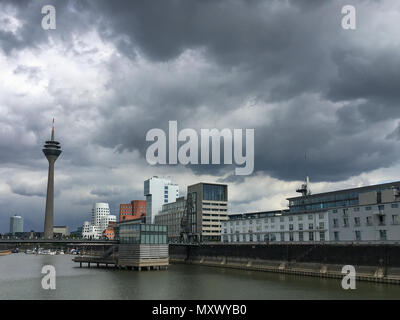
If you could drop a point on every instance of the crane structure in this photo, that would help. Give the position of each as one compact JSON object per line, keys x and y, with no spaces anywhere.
{"x":187,"y":234}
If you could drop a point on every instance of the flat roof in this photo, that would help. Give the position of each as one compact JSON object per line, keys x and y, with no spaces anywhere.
{"x":366,"y":188}
{"x":258,"y":213}
{"x":212,"y":183}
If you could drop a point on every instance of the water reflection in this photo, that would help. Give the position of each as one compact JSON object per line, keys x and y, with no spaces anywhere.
{"x":20,"y":278}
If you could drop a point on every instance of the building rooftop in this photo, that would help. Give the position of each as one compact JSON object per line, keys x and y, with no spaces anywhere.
{"x":255,"y":215}
{"x":383,"y":186}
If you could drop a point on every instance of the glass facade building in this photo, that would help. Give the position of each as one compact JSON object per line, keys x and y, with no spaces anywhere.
{"x":336,"y":199}
{"x":132,"y":232}
{"x":16,"y":224}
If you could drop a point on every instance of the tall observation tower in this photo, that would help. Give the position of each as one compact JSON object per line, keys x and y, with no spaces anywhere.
{"x":52,"y":149}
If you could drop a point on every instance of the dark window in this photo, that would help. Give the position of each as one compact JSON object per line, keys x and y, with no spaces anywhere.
{"x":214,"y":192}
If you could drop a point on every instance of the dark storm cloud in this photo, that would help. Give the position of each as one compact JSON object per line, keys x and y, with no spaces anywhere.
{"x":281,"y":53}
{"x":70,"y":19}
{"x":329,"y":87}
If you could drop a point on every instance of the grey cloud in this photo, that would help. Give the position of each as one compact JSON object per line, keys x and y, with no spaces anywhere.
{"x":33,"y":73}
{"x":335,"y":96}
{"x":106,"y":191}
{"x":25,"y":189}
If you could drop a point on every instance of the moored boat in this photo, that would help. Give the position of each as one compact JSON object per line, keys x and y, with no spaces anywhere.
{"x":5,"y":252}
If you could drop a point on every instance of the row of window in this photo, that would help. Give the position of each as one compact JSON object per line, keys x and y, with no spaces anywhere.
{"x":358,"y":237}
{"x":282,"y":227}
{"x":325,"y":198}
{"x":271,"y":237}
{"x":367,"y":208}
{"x":144,"y":239}
{"x":381,"y":220}
{"x":327,"y":205}
{"x":280,"y":219}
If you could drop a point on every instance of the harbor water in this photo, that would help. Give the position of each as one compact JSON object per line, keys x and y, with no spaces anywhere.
{"x":21,"y":278}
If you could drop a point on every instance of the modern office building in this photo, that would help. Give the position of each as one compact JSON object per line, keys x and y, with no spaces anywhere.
{"x":368,"y":213}
{"x":171,"y":216}
{"x":52,"y":150}
{"x":158,"y":191}
{"x":100,"y":220}
{"x":210,"y":209}
{"x":16,"y":224}
{"x":133,"y":210}
{"x":61,"y":231}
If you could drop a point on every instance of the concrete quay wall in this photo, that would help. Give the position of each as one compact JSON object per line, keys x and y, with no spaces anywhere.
{"x":373,"y":262}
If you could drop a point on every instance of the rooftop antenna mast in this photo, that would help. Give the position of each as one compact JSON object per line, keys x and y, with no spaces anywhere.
{"x":305,"y":187}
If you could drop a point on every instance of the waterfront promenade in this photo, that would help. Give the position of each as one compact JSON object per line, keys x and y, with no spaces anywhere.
{"x":376,"y":262}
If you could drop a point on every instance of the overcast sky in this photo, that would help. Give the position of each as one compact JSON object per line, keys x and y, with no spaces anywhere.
{"x":112,"y":70}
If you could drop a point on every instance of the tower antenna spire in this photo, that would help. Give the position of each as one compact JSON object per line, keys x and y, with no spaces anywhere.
{"x":52,"y":131}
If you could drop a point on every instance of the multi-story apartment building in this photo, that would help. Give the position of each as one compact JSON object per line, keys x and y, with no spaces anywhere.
{"x":280,"y":225}
{"x":210,"y":209}
{"x":133,"y":210}
{"x":171,"y":216}
{"x":375,"y":222}
{"x":158,"y":191}
{"x":368,"y":213}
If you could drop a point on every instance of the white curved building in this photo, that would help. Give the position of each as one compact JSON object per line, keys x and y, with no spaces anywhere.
{"x":99,"y":210}
{"x":100,"y":219}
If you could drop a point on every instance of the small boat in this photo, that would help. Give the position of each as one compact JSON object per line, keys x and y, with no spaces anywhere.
{"x":29,"y":251}
{"x":48,"y":252}
{"x":5,"y":252}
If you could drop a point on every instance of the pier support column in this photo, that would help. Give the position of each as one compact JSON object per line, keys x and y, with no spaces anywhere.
{"x":88,"y":264}
{"x":80,"y":264}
